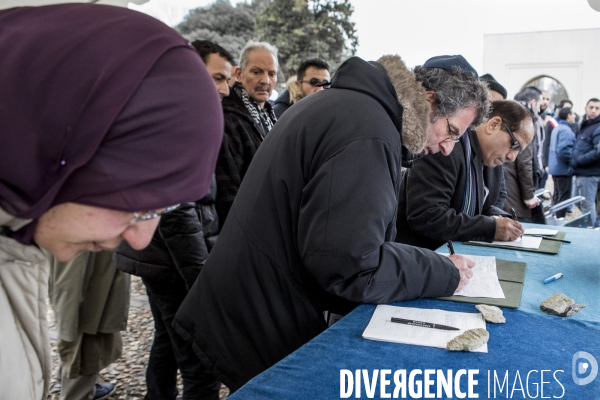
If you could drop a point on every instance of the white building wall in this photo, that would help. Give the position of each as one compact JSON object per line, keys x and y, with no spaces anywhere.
{"x":571,"y":57}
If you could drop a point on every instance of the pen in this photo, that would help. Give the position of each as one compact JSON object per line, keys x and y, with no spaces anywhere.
{"x":450,"y":247}
{"x":553,"y":278}
{"x":514,"y":215}
{"x":424,"y":324}
{"x":549,"y":238}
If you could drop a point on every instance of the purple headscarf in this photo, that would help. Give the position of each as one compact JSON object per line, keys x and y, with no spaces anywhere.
{"x":103,"y":106}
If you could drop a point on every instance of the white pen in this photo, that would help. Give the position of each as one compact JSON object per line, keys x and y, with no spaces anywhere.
{"x":553,"y":278}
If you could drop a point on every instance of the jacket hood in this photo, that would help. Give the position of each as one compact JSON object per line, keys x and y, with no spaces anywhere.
{"x":395,"y":87}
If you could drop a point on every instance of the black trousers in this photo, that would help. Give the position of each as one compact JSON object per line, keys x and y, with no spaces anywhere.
{"x":170,"y":352}
{"x":562,"y":192}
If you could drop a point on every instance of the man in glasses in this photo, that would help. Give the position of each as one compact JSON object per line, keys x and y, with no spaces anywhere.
{"x":312,"y":77}
{"x":452,"y":198}
{"x":313,"y":226}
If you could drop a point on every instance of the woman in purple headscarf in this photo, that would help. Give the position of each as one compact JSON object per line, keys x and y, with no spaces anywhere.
{"x":107,"y":118}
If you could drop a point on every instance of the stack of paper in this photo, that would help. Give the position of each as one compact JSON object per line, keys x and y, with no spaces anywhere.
{"x":382,"y":328}
{"x":484,"y":282}
{"x":526,"y":242}
{"x":538,"y":231}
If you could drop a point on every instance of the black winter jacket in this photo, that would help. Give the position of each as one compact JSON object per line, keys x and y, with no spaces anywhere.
{"x":181,"y":243}
{"x":585,"y":158}
{"x":241,"y":138}
{"x":312,"y":226}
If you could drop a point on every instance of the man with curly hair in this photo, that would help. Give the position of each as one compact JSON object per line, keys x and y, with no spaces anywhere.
{"x":312,"y":228}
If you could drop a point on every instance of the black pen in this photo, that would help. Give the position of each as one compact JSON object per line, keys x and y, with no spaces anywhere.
{"x":450,"y":247}
{"x":514,"y":215}
{"x":548,"y":238}
{"x":424,"y":324}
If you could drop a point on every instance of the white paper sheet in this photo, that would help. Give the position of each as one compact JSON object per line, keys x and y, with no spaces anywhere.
{"x":537,"y":231}
{"x":382,"y":328}
{"x":484,"y":282}
{"x":527,"y":242}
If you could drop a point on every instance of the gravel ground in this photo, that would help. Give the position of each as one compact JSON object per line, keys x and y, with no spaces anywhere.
{"x":128,"y":372}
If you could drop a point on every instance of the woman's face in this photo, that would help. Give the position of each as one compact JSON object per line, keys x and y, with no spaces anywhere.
{"x":68,"y":229}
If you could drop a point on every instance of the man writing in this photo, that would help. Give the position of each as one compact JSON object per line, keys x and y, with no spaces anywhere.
{"x":313,"y":225}
{"x":451,"y":198}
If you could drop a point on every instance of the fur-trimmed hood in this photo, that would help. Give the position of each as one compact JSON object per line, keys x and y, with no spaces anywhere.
{"x":412,"y":117}
{"x":411,"y":94}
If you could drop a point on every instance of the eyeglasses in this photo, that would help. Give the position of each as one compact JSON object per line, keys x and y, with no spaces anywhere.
{"x":314,"y":82}
{"x":452,"y":137}
{"x":515,"y":143}
{"x":146,"y":215}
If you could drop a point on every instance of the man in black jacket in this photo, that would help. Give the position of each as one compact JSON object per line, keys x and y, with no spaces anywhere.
{"x":169,"y":267}
{"x":585,"y":159}
{"x":248,"y":118}
{"x":313,"y":225}
{"x":448,"y":198}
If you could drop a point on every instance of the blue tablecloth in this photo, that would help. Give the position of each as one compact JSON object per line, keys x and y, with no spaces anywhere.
{"x":579,"y":261}
{"x":530,"y":342}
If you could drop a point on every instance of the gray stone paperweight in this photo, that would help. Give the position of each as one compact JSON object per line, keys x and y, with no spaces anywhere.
{"x":561,"y":305}
{"x":491,"y":313}
{"x":469,"y":340}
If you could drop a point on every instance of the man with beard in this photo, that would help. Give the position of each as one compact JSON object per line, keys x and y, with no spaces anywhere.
{"x":313,"y":226}
{"x":248,"y":118}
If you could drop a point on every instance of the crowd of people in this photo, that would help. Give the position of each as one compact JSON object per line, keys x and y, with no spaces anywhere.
{"x":254,"y":224}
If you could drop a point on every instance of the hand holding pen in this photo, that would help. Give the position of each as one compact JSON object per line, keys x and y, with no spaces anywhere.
{"x":463,"y":264}
{"x":514,"y":215}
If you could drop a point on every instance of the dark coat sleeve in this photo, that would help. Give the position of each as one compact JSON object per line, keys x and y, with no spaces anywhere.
{"x":234,"y":158}
{"x":524,"y":166}
{"x":181,"y":229}
{"x":347,"y":246}
{"x":433,"y":205}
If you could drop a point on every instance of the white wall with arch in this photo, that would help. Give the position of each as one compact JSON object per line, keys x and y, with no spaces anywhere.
{"x":571,"y":57}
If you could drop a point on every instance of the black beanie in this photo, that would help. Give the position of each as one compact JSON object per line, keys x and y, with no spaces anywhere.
{"x":447,"y":62}
{"x":494,"y":85}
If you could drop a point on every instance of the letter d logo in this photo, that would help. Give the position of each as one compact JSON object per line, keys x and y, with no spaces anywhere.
{"x":584,"y":367}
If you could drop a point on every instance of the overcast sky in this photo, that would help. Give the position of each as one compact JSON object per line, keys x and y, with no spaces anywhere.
{"x":419,"y":29}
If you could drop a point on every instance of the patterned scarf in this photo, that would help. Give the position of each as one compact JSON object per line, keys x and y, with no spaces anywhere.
{"x":470,"y":193}
{"x":262,"y":116}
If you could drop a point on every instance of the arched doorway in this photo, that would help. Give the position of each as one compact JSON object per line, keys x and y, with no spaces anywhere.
{"x":555,"y":89}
